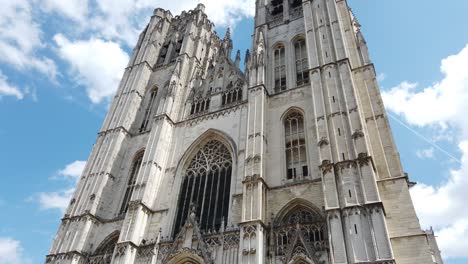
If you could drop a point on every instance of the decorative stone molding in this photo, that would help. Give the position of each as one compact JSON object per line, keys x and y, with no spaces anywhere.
{"x":357,"y":134}
{"x":323,"y":142}
{"x":326,"y":166}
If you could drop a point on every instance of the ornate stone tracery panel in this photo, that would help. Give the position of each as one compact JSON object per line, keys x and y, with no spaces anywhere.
{"x":300,"y":236}
{"x":206,"y":187}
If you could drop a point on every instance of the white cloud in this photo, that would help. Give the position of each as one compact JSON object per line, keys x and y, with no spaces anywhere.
{"x":11,"y":252}
{"x":9,"y":90}
{"x":60,"y":199}
{"x":442,"y":103}
{"x":97,"y":64}
{"x":75,"y":9}
{"x":221,"y":12}
{"x":73,"y":169}
{"x":20,"y":37}
{"x":123,"y":20}
{"x":443,"y":106}
{"x":55,"y":200}
{"x":425,"y":153}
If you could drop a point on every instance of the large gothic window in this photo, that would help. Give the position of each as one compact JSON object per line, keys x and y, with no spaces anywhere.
{"x":148,"y":110}
{"x":131,"y":182}
{"x":206,"y":187}
{"x":296,"y":154}
{"x":300,"y":53}
{"x":280,"y":68}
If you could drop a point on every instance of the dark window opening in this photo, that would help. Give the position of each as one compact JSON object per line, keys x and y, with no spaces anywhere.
{"x":277,"y":7}
{"x":295,"y":147}
{"x":231,"y":96}
{"x":148,"y":111}
{"x":296,"y":3}
{"x":206,"y":188}
{"x":200,"y":106}
{"x":280,"y":69}
{"x":302,"y":67}
{"x":131,"y":183}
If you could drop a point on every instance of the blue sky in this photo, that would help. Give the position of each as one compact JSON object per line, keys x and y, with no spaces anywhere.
{"x":60,"y":62}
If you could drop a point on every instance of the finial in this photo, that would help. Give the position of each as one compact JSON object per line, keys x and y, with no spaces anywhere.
{"x":247,"y":56}
{"x":238,"y":58}
{"x":201,"y":7}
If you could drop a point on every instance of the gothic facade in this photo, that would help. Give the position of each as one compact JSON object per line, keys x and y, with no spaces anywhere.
{"x":289,"y":160}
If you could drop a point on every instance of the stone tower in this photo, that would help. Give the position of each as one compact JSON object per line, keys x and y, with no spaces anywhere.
{"x":290,"y":160}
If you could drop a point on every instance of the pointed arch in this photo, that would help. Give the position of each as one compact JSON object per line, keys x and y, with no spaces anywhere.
{"x":279,"y":67}
{"x":301,"y":60}
{"x":206,"y":171}
{"x":105,"y":251}
{"x":296,"y":155}
{"x":133,"y":173}
{"x":209,"y":134}
{"x":295,"y":205}
{"x":187,"y":258}
{"x":300,"y":230}
{"x":149,"y":108}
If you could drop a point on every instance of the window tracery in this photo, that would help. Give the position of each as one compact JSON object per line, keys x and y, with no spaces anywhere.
{"x":300,"y":53}
{"x":200,"y":105}
{"x":232,"y":94}
{"x":296,"y":153}
{"x":206,"y":186}
{"x":131,"y":182}
{"x":295,"y":9}
{"x":304,"y":222}
{"x":148,"y":110}
{"x":279,"y":68}
{"x":276,"y":7}
{"x":104,"y":253}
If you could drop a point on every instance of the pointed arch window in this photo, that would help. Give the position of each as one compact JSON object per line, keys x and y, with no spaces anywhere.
{"x":276,"y":7}
{"x":148,"y":110}
{"x":300,"y":53}
{"x":301,"y":227}
{"x":206,"y":186}
{"x":135,"y":169}
{"x":296,"y":153}
{"x":200,"y":105}
{"x":163,"y":54}
{"x":105,"y":251}
{"x":279,"y":58}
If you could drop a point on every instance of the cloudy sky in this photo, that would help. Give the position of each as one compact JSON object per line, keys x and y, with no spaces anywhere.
{"x":61,"y":61}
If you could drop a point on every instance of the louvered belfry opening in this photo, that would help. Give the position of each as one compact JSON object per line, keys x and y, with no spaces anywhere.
{"x":206,"y":187}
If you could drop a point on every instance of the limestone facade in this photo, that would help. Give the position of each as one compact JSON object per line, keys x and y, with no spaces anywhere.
{"x":289,"y":160}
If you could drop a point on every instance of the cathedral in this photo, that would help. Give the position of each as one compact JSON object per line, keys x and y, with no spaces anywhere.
{"x":289,"y":159}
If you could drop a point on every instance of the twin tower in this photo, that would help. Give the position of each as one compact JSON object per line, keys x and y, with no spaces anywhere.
{"x":289,"y":160}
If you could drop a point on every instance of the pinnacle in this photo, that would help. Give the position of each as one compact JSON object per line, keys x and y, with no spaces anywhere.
{"x":228,"y":34}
